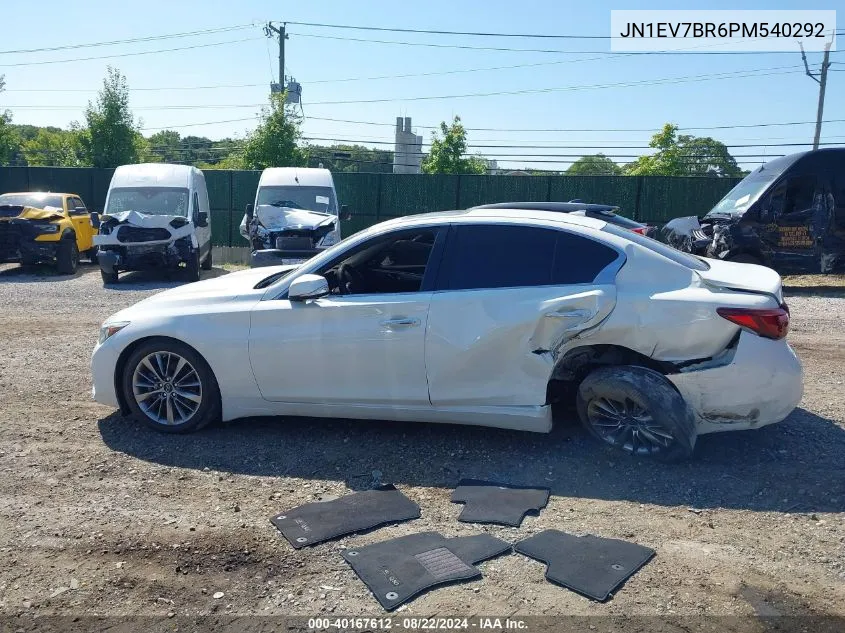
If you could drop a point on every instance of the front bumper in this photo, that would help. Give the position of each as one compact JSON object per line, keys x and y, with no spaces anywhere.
{"x":144,"y":257}
{"x":278,"y":257}
{"x":761,"y":385}
{"x":21,"y":239}
{"x":103,"y":364}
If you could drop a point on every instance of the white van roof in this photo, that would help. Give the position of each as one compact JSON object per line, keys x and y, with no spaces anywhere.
{"x":296,"y":176}
{"x":153,"y":175}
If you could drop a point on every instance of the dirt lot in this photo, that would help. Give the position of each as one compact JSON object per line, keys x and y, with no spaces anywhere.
{"x":99,"y":515}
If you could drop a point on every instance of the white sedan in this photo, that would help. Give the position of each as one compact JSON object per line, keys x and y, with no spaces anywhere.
{"x":484,"y":317}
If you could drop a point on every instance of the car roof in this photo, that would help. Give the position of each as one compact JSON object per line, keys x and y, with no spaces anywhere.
{"x":152,"y":175}
{"x":558,"y":207}
{"x":468,"y":216}
{"x":296,"y":176}
{"x":36,"y":193}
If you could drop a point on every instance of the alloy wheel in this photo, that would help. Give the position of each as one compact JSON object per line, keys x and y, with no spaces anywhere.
{"x":627,"y":425}
{"x":167,"y":388}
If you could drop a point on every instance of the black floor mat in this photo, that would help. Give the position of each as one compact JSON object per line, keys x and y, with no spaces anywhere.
{"x":488,"y":502}
{"x":399,"y":569}
{"x":590,"y":565}
{"x":317,"y":522}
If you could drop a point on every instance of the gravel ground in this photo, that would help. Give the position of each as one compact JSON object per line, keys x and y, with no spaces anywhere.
{"x":99,"y":515}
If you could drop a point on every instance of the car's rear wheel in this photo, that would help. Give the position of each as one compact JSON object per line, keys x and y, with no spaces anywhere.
{"x":636,"y":410}
{"x":170,"y":387}
{"x":67,"y":257}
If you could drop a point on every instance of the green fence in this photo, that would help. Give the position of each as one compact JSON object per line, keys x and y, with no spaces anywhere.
{"x":376,"y":197}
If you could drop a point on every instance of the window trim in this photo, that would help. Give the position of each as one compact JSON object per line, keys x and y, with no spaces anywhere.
{"x":606,"y":276}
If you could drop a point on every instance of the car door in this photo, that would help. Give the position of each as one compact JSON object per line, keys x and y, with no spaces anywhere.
{"x":509,"y":298}
{"x":798,"y":209}
{"x":81,"y":220}
{"x":364,"y":348}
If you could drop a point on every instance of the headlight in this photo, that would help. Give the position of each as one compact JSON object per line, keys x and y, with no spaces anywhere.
{"x":107,"y":330}
{"x":48,"y":228}
{"x":330,"y":239}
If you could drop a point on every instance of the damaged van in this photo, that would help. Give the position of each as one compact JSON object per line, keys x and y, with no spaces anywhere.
{"x":788,"y":214}
{"x":156,"y":217}
{"x":295,"y":216}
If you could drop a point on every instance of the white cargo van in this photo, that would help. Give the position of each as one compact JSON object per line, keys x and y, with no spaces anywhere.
{"x":156,"y":216}
{"x":296,"y":215}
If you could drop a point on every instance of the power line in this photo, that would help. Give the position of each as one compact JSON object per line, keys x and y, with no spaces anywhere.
{"x":435,"y":32}
{"x":116,"y":55}
{"x":150,"y":38}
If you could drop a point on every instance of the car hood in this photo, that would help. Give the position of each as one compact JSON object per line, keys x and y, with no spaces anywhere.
{"x":49,"y":214}
{"x":145,"y":220}
{"x":743,"y":277}
{"x":278,"y":218}
{"x":201,"y":295}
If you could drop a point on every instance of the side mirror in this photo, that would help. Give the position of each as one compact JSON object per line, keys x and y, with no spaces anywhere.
{"x":308,"y":287}
{"x":250,"y":211}
{"x":345,"y":213}
{"x":202,"y":219}
{"x":95,"y":219}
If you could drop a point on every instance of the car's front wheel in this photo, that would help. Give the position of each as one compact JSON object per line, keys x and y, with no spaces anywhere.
{"x":170,"y":387}
{"x":638,"y":411}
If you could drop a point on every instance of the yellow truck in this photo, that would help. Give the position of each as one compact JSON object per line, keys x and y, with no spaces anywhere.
{"x":53,"y":228}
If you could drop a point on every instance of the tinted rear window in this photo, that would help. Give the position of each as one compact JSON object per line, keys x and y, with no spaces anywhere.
{"x":679,"y":257}
{"x":506,"y":256}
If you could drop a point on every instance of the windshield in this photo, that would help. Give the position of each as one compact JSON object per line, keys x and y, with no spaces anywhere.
{"x":37,"y":200}
{"x":149,"y":200}
{"x":310,"y":198}
{"x":746,"y":193}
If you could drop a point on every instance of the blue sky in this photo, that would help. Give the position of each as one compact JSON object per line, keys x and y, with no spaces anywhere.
{"x":781,"y":94}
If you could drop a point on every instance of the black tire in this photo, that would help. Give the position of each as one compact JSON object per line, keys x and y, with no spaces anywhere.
{"x":192,"y":267}
{"x":108,"y":278}
{"x":745,"y":258}
{"x":67,"y":256}
{"x":209,"y":408}
{"x":206,"y":263}
{"x":638,"y":411}
{"x":91,"y":254}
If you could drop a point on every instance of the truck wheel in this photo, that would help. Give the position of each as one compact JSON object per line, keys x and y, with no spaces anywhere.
{"x":192,"y":267}
{"x":108,"y":278}
{"x":67,"y":257}
{"x":638,"y":411}
{"x":206,"y":263}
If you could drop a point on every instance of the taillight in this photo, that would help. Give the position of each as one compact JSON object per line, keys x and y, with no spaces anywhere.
{"x":770,"y":323}
{"x":640,"y":229}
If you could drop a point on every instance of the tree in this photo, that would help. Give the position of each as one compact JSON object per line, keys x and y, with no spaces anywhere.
{"x":350,"y":158}
{"x":594,"y":165}
{"x":684,"y":155}
{"x":274,"y":143}
{"x":9,"y":140}
{"x":112,"y":138}
{"x":166,"y":146}
{"x":447,"y":153}
{"x":62,"y":148}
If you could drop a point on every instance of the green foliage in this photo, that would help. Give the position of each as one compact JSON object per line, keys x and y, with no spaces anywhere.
{"x":62,"y":148}
{"x":9,"y":139}
{"x":594,"y":165}
{"x":349,"y":158}
{"x":447,"y":153}
{"x":684,"y":155}
{"x":111,"y":138}
{"x":165,"y":146}
{"x":274,"y":143}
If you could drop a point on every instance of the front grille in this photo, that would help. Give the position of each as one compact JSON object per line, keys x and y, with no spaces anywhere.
{"x":139,"y":234}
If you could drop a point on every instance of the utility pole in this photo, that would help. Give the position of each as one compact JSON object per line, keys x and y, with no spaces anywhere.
{"x":280,"y":32}
{"x":822,"y":81}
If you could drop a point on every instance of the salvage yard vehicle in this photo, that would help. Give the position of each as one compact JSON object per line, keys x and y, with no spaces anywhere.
{"x":606,"y":212}
{"x":295,"y":215}
{"x":52,"y":228}
{"x":420,"y":318}
{"x":788,"y":214}
{"x":156,"y":217}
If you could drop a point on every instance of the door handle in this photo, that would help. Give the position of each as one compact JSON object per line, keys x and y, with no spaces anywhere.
{"x":568,"y":314}
{"x":400,"y":322}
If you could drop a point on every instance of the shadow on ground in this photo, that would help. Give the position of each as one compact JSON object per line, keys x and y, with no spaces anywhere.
{"x":14,"y":273}
{"x":136,"y":280}
{"x":796,"y":466}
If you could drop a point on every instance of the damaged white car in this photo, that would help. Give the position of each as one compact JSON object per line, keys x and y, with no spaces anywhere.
{"x":484,"y":317}
{"x":156,"y":217}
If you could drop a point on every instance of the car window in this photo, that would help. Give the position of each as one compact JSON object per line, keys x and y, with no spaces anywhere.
{"x":499,"y":256}
{"x":579,"y":259}
{"x":794,"y":195}
{"x":397,"y":262}
{"x":76,"y":206}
